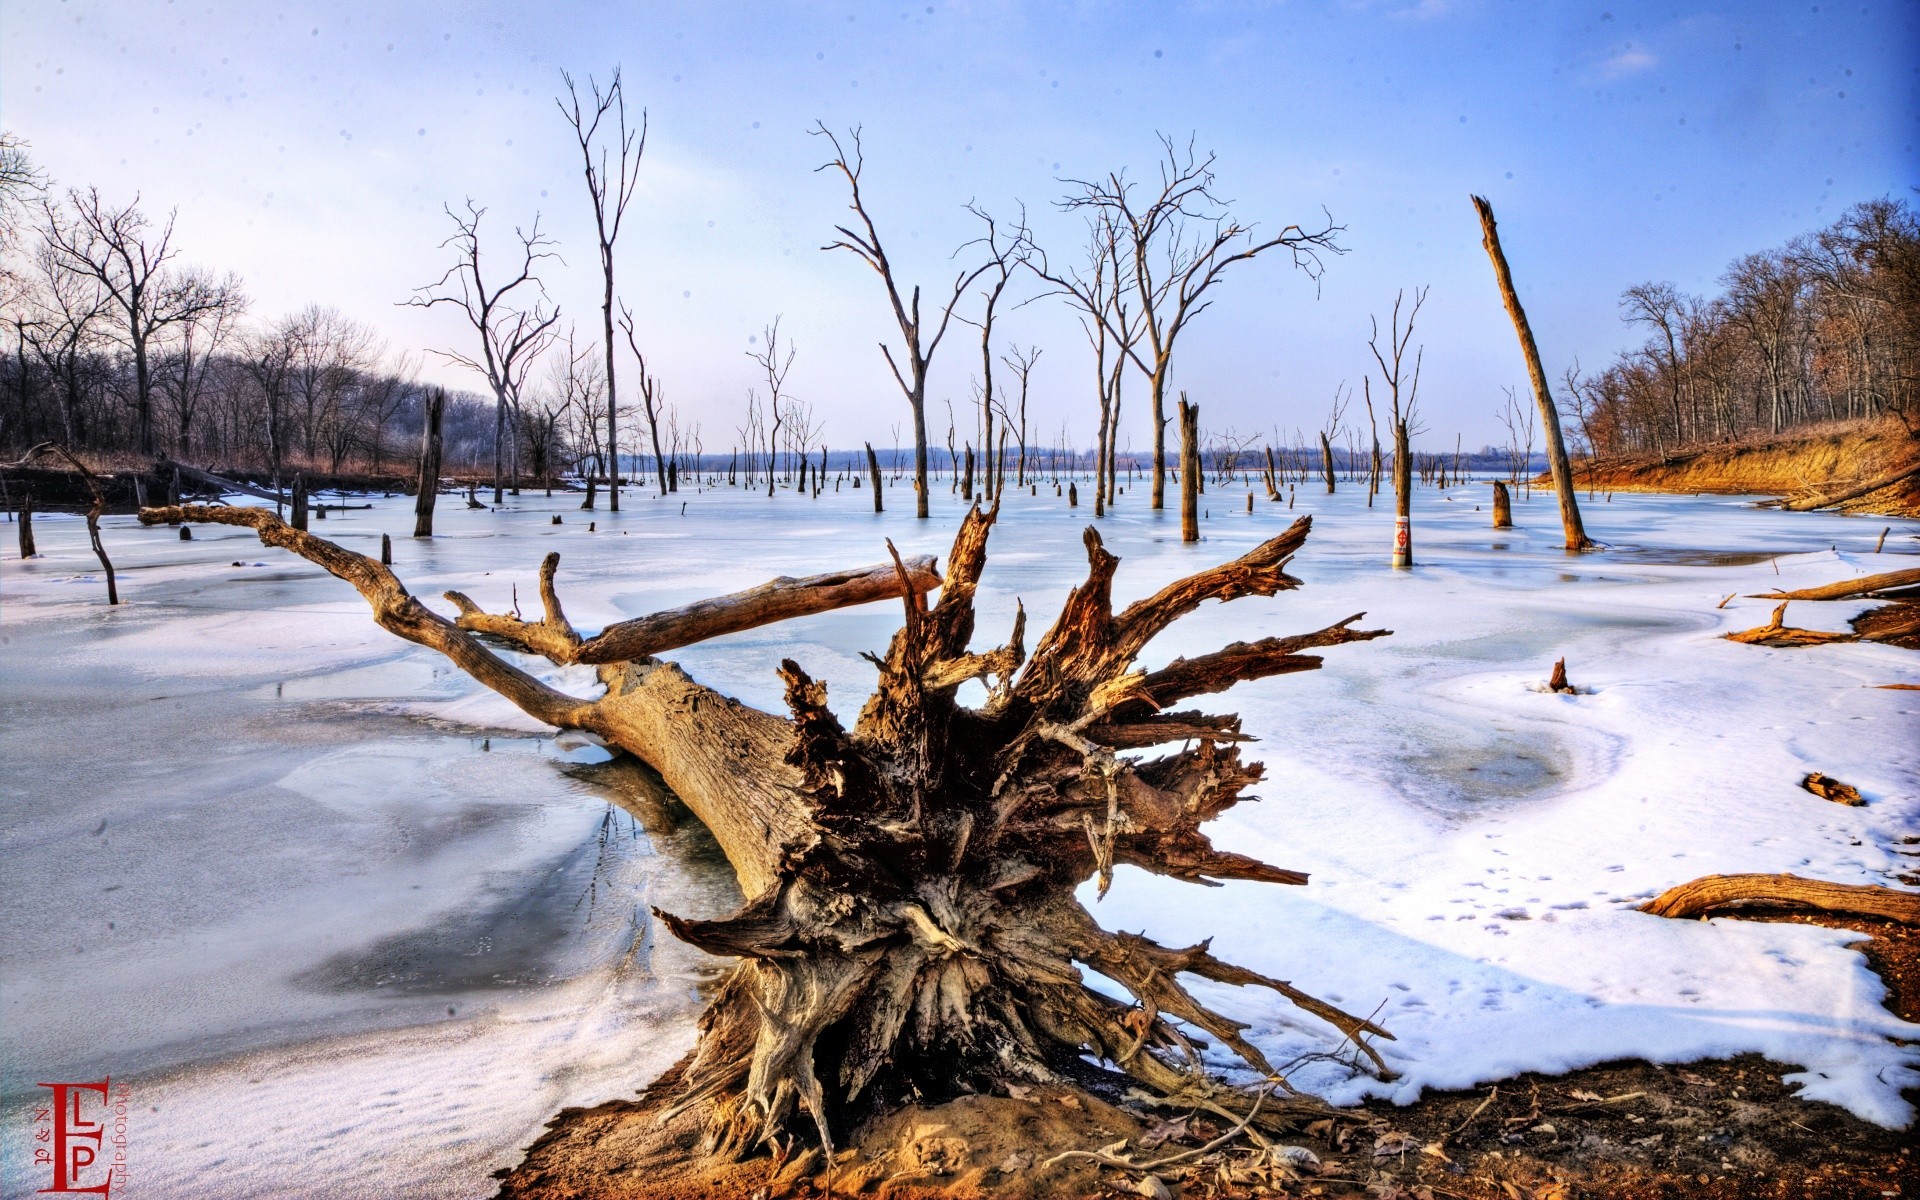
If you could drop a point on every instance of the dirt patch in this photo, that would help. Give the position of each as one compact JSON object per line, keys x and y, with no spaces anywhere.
{"x":1818,"y":459}
{"x":1619,"y":1131}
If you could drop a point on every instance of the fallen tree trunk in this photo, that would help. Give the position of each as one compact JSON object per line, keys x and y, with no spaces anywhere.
{"x":1809,"y":503}
{"x":209,"y":479}
{"x":911,"y":929}
{"x":1717,"y":893}
{"x":1887,"y":585}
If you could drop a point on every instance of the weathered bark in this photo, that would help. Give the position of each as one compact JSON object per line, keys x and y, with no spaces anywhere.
{"x":27,"y":548}
{"x":1326,"y":461}
{"x":911,"y":928}
{"x":1577,"y":538}
{"x":1402,"y":497}
{"x":1718,"y":893}
{"x":1502,"y":506}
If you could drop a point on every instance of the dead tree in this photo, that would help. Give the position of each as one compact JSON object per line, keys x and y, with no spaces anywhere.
{"x":911,"y":929}
{"x":94,"y":509}
{"x":774,"y":368}
{"x":1021,"y":362}
{"x":512,"y":336}
{"x":1577,"y":538}
{"x":608,"y":188}
{"x":433,"y":411}
{"x":1332,"y":430}
{"x":1502,"y":506}
{"x":650,"y":402}
{"x":1174,"y":248}
{"x":917,"y":343}
{"x":1403,"y":394}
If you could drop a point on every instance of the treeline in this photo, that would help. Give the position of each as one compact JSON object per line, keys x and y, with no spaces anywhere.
{"x":1825,"y":328}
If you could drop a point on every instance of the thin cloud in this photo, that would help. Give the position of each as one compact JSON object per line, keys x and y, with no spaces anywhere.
{"x":1630,"y":61}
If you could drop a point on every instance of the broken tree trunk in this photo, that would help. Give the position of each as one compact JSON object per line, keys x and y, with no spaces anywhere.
{"x":1189,"y":470}
{"x":1716,"y":893}
{"x":1502,"y":506}
{"x":1577,"y":538}
{"x":27,"y":549}
{"x":873,"y":473}
{"x":911,"y":929}
{"x":1326,"y":461}
{"x":429,"y":484}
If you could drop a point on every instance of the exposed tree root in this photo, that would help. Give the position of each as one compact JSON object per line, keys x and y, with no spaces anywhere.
{"x":911,"y":930}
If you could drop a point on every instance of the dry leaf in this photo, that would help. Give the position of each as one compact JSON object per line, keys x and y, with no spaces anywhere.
{"x":1151,"y":1187}
{"x":1019,"y":1091}
{"x":1389,"y":1144}
{"x":1072,"y":1102}
{"x":1580,"y":1095}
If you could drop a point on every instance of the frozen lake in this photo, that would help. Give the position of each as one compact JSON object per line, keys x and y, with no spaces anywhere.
{"x":345,"y":923}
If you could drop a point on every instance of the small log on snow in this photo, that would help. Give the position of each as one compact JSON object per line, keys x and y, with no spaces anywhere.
{"x":1828,"y":788}
{"x":1888,"y":585}
{"x":1557,"y":681}
{"x":1714,"y":893}
{"x":1781,"y":636}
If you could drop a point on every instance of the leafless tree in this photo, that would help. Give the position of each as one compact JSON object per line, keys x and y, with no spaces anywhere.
{"x":133,"y":263}
{"x":1519,"y":419}
{"x":67,"y":311}
{"x":918,"y":343}
{"x":774,"y":367}
{"x":512,"y":333}
{"x":609,"y":187}
{"x":1403,"y":394}
{"x":1177,"y":243}
{"x":1020,"y":362}
{"x":652,"y":398}
{"x":184,"y":373}
{"x":1099,"y":292}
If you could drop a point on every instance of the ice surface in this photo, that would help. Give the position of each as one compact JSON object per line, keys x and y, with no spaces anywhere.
{"x":346,"y":923}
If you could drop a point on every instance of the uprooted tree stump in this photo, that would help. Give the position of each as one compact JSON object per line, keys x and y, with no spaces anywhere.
{"x":1720,"y":893}
{"x":911,"y":930}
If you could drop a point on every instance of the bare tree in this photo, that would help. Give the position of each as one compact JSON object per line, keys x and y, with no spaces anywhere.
{"x":67,"y":311}
{"x":609,"y":187}
{"x":512,"y":335}
{"x":1098,"y":291}
{"x":774,"y":369}
{"x":131,"y":261}
{"x":652,"y":397}
{"x":1518,"y":418}
{"x":1403,"y":393}
{"x":1020,"y":362}
{"x":1342,"y":396}
{"x":1177,"y":246}
{"x":918,"y":344}
{"x":183,"y":378}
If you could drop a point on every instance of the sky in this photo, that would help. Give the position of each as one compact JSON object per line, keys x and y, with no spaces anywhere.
{"x":312,"y":147}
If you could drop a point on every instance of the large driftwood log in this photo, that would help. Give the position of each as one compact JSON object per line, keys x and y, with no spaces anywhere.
{"x":911,"y":929}
{"x":1720,"y":893}
{"x":1888,"y":585}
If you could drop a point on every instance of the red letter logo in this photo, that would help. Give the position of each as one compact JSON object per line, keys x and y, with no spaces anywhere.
{"x":72,"y":1133}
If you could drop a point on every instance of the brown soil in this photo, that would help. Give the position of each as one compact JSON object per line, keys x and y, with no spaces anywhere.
{"x":1819,"y":458}
{"x":1619,"y":1131}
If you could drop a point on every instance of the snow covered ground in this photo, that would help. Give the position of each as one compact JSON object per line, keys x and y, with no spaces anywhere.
{"x":343,"y":923}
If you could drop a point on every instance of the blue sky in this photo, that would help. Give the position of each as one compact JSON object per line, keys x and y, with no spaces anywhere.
{"x":311,"y":146}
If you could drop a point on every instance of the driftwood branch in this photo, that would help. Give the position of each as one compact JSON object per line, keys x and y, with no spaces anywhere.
{"x":1719,"y":893}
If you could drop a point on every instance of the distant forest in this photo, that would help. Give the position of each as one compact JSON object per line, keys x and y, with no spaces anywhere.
{"x":1825,"y":328}
{"x":113,"y":345}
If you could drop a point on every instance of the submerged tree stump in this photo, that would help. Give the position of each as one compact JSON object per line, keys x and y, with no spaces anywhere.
{"x":1502,"y":506}
{"x":911,"y":930}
